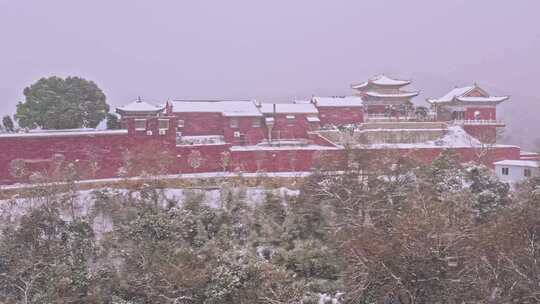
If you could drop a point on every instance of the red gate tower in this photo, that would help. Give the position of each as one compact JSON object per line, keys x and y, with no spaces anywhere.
{"x":471,"y":107}
{"x":383,"y":95}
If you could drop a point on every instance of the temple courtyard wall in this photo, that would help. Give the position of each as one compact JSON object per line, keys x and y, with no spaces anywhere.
{"x":111,"y":154}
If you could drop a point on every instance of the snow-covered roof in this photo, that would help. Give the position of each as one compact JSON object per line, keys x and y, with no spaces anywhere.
{"x":140,"y":106}
{"x":225,"y":107}
{"x":389,"y":95}
{"x":289,"y":108}
{"x":518,"y":163}
{"x":346,"y":101}
{"x":359,"y":85}
{"x":483,"y":99}
{"x":528,"y":153}
{"x":456,"y":92}
{"x":460,"y":94}
{"x":384,"y":80}
{"x":381,"y":80}
{"x":313,"y":119}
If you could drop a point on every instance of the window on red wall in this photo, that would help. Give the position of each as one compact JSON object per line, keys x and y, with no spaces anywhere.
{"x":290,"y":119}
{"x":140,"y":124}
{"x":256,"y":122}
{"x":163,"y":124}
{"x":233,"y":122}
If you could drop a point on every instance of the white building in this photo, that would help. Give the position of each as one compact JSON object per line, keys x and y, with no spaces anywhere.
{"x":513,"y":171}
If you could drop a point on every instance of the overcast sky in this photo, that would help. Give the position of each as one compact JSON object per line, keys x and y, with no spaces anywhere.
{"x":272,"y":50}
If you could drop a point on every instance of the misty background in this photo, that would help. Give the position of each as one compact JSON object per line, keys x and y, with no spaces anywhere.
{"x":276,"y":50}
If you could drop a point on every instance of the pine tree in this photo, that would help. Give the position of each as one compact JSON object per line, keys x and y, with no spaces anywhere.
{"x":489,"y":192}
{"x":8,"y":123}
{"x":113,"y":123}
{"x":445,"y":175}
{"x":58,"y":103}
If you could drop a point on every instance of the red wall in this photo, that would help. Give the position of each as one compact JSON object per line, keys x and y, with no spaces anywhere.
{"x":201,"y":123}
{"x":485,"y":113}
{"x":340,"y":115}
{"x":249,"y":135}
{"x":427,"y":155}
{"x":212,"y":156}
{"x":285,"y":160}
{"x":299,"y":127}
{"x":107,"y":150}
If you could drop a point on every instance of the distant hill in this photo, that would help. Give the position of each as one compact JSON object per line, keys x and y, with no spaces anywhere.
{"x":522,"y":115}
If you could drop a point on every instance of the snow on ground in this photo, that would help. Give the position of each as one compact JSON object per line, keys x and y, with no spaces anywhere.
{"x":455,"y":138}
{"x":81,"y":203}
{"x":201,"y":140}
{"x":330,"y":299}
{"x":188,"y":176}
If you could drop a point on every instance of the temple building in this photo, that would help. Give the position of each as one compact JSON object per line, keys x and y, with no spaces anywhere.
{"x":471,"y":107}
{"x":237,"y":121}
{"x":289,"y":120}
{"x":138,"y":112}
{"x":385,"y":96}
{"x":245,"y":135}
{"x":339,"y":111}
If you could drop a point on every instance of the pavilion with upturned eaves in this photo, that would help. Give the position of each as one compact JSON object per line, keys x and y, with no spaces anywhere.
{"x":469,"y":103}
{"x":140,"y":108}
{"x":473,"y":108}
{"x":384,"y":95}
{"x":139,"y":112}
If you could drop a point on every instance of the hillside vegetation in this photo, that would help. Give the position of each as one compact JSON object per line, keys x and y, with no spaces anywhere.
{"x":392,"y":232}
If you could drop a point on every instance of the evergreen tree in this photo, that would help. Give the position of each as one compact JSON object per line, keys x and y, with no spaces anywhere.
{"x":57,"y":103}
{"x":158,"y":265}
{"x":445,"y":175}
{"x":489,"y":193}
{"x":45,"y":259}
{"x":113,"y":123}
{"x":8,"y":123}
